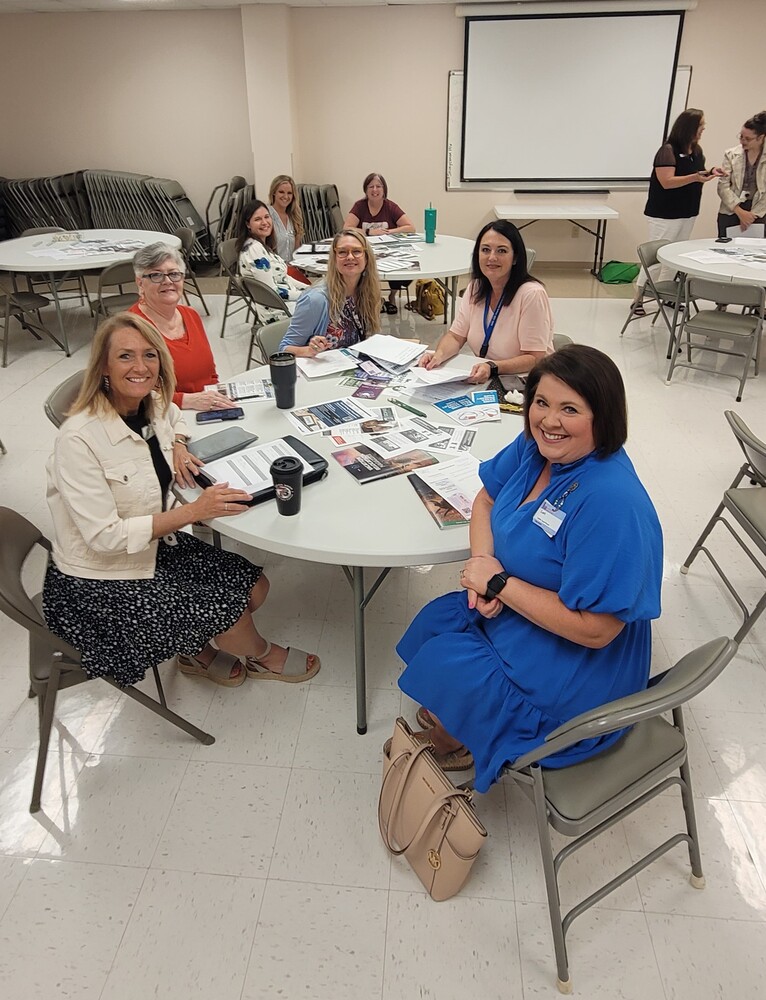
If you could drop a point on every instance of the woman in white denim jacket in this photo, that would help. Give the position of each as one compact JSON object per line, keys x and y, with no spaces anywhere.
{"x":743,"y":190}
{"x":125,"y":586}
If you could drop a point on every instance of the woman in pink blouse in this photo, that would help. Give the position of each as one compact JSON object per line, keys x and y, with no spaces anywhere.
{"x":505,"y":314}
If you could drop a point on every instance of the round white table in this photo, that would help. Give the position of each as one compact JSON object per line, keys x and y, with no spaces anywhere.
{"x":27,"y":254}
{"x":675,"y":255}
{"x":378,"y":525}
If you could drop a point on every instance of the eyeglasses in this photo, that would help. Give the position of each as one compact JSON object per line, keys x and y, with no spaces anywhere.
{"x":356,"y":254}
{"x":157,"y":277}
{"x":746,"y":138}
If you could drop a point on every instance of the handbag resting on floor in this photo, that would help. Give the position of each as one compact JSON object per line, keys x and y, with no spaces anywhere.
{"x":424,"y":817}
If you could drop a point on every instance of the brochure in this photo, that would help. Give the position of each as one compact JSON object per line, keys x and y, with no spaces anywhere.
{"x":475,"y":408}
{"x":334,"y":413}
{"x":326,"y":363}
{"x":249,"y":470}
{"x":449,"y":490}
{"x":366,"y":466}
{"x":389,"y":350}
{"x":244,"y":389}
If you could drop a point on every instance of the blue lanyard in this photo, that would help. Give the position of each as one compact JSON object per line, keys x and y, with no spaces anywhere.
{"x":489,"y":327}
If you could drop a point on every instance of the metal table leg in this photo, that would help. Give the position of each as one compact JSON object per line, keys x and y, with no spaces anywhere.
{"x":59,"y":316}
{"x":355,"y":576}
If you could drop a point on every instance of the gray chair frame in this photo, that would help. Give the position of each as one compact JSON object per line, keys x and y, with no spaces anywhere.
{"x":747,"y":507}
{"x":53,"y":663}
{"x":714,"y":325}
{"x":267,"y":337}
{"x":60,"y":400}
{"x":586,"y":799}
{"x":118,"y":275}
{"x":42,"y":283}
{"x":191,"y":285}
{"x":664,"y":293}
{"x":561,"y":340}
{"x":229,"y":258}
{"x":260,"y":294}
{"x":25,"y":307}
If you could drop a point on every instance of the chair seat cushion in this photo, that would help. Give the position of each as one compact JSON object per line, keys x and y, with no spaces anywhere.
{"x":28,"y":300}
{"x":667,"y":290}
{"x":751,"y":505}
{"x":722,"y":324}
{"x":576,"y":791}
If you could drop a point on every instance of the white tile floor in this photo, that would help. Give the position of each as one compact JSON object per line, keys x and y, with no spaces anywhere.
{"x":253,"y":869}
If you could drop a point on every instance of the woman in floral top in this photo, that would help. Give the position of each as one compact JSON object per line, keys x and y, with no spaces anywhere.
{"x":258,"y":258}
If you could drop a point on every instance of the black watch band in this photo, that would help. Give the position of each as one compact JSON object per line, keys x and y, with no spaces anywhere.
{"x":493,"y":369}
{"x":495,"y":585}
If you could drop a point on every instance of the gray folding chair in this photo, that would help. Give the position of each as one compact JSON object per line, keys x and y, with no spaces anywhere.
{"x":531,"y":255}
{"x":235,"y":300}
{"x":70,"y":283}
{"x":267,"y":337}
{"x":191,"y":285}
{"x":25,"y":307}
{"x":58,"y":403}
{"x":53,"y":663}
{"x":705,"y":330}
{"x":588,"y":798}
{"x":115,"y":276}
{"x":561,"y":340}
{"x":667,"y":294}
{"x":747,"y":508}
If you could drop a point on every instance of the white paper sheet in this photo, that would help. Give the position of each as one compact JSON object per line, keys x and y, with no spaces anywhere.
{"x":756,"y":231}
{"x":456,"y":480}
{"x":248,"y":470}
{"x":327,"y":363}
{"x":390,"y":349}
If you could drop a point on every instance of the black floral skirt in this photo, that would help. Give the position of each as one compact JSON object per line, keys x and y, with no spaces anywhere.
{"x":124,"y":627}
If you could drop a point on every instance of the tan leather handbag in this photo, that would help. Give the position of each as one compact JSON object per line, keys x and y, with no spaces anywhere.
{"x":424,"y":817}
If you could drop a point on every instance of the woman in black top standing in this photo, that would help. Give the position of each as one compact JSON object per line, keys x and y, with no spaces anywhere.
{"x":675,"y":187}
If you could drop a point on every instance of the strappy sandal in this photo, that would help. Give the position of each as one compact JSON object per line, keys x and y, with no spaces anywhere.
{"x":293,"y":672}
{"x":637,"y":308}
{"x":456,"y":760}
{"x":424,"y":718}
{"x":218,"y":670}
{"x":390,"y":308}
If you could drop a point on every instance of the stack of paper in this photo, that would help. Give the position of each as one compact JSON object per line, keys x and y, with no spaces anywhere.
{"x":326,"y":363}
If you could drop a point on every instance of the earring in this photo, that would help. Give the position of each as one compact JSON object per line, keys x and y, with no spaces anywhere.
{"x":106,"y":384}
{"x":159,"y":384}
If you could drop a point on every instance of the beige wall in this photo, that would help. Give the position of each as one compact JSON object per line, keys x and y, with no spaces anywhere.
{"x":156,"y":92}
{"x":261,"y":93}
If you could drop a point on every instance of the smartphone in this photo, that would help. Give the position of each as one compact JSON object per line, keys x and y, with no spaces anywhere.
{"x":724,"y":239}
{"x":212,"y":416}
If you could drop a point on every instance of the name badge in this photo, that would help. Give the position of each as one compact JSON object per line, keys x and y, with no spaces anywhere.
{"x":549,"y":518}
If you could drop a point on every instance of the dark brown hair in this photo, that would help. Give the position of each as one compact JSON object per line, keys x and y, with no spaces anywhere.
{"x":371,"y":177}
{"x":243,"y":232}
{"x":683,"y":135}
{"x":594,"y":376}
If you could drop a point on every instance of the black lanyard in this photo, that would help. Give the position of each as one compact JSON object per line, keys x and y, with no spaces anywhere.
{"x":489,"y":327}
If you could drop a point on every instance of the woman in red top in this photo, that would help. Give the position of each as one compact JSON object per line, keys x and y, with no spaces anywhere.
{"x":160,"y":272}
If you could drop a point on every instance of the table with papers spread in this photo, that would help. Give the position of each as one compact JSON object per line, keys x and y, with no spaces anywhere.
{"x":743,"y":260}
{"x":387,"y":526}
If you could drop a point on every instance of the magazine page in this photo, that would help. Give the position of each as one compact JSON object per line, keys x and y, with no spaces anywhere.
{"x":248,"y":470}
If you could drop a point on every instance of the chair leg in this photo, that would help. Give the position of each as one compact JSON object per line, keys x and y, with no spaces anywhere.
{"x":226,"y":307}
{"x":161,"y":709}
{"x":193,"y":280}
{"x":45,"y":708}
{"x":551,"y":883}
{"x":698,"y":545}
{"x":697,"y":877}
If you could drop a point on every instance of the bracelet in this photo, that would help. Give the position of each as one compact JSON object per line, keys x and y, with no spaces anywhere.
{"x":181,"y":439}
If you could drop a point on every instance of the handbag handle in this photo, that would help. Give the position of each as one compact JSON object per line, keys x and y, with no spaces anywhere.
{"x":446,"y":798}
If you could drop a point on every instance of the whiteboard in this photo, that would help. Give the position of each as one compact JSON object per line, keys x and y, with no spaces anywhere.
{"x":565,"y":98}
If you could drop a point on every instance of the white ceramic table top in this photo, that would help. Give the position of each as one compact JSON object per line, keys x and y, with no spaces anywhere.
{"x":342,"y":522}
{"x":556,"y":210}
{"x":15,"y":254}
{"x":674,"y":255}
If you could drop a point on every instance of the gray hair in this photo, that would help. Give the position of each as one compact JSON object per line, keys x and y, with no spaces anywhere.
{"x":154,"y":255}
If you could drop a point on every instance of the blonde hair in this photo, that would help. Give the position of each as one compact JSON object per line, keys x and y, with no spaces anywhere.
{"x":294,"y":212}
{"x":93,"y":396}
{"x":367,"y":294}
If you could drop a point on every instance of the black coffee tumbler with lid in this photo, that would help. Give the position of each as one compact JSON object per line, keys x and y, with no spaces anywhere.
{"x":283,"y":376}
{"x":287,"y":476}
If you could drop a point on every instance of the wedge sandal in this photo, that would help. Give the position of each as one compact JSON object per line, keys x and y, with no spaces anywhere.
{"x":293,"y":672}
{"x":218,"y":670}
{"x":456,"y":760}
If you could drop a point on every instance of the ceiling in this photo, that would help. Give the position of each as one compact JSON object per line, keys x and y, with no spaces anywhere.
{"x":62,"y":6}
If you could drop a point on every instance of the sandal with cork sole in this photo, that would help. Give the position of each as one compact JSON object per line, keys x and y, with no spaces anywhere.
{"x":218,"y":670}
{"x":297,"y":667}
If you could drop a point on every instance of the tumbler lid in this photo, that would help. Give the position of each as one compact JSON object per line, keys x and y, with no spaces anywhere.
{"x":282,"y":358}
{"x":286,"y":465}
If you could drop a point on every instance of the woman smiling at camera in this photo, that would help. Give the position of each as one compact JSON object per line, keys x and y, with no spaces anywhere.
{"x":563,"y":580}
{"x":125,"y":586}
{"x":505,"y":314}
{"x":345,"y":308}
{"x":160,"y":271}
{"x":286,"y":213}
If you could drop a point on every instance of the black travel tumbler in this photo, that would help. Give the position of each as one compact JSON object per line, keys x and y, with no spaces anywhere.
{"x":287,"y":475}
{"x":283,"y":376}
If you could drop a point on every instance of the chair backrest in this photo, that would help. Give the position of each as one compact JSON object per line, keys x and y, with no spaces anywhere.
{"x":186,"y":236}
{"x":62,"y":397}
{"x":685,"y":680}
{"x":18,"y":538}
{"x":269,"y":336}
{"x":647,"y":252}
{"x":730,"y":293}
{"x":263,"y":295}
{"x":561,"y":340}
{"x":753,"y":447}
{"x":531,"y":254}
{"x":228,"y":256}
{"x":117,"y":274}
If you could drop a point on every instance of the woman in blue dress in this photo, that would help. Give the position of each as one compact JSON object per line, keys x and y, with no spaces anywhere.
{"x":557,"y":597}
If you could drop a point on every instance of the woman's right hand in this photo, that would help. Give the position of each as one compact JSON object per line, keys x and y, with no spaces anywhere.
{"x":209,"y":400}
{"x":318,"y":344}
{"x":427,"y":360}
{"x":745,"y":218}
{"x":220,"y":500}
{"x":703,"y":176}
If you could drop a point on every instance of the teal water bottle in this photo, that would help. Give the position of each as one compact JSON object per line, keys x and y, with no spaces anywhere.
{"x":430,"y":224}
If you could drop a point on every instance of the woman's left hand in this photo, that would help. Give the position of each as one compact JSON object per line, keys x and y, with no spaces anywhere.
{"x":476,"y":574}
{"x":479,"y":373}
{"x":185,"y":465}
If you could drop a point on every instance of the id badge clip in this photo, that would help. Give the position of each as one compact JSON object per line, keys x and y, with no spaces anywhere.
{"x":549,"y":518}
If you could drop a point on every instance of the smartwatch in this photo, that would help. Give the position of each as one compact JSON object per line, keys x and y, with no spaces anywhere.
{"x":495,"y":584}
{"x":493,"y":369}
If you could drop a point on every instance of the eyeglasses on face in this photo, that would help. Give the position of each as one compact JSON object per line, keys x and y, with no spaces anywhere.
{"x":746,"y":138}
{"x":344,"y":252}
{"x":157,"y":277}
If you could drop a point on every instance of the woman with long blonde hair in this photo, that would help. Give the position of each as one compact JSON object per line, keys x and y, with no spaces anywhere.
{"x":285,"y":210}
{"x":342,"y":310}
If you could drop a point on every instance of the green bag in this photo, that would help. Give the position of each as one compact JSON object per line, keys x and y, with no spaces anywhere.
{"x":617,"y":273}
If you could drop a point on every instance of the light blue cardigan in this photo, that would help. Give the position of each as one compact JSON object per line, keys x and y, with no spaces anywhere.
{"x":310,"y":319}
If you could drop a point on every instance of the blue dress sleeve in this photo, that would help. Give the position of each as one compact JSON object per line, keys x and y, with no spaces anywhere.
{"x":495,"y":472}
{"x":311,"y":318}
{"x":613,"y":554}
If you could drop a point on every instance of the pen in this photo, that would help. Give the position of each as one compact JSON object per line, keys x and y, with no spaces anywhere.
{"x":405,"y":406}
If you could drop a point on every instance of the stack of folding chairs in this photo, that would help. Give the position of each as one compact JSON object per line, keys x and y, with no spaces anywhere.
{"x":322,"y":217}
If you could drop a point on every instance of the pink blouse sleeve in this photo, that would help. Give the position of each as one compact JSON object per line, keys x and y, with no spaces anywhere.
{"x":535,"y":318}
